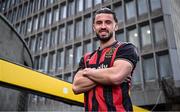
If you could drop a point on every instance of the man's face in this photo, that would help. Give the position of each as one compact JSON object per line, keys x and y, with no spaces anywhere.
{"x":104,"y":26}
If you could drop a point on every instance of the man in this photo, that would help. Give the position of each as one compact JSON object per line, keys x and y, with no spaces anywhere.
{"x":105,"y":75}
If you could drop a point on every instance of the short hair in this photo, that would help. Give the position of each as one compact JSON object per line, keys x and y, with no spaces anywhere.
{"x":106,"y":11}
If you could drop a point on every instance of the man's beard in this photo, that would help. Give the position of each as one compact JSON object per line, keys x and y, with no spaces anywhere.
{"x":104,"y":38}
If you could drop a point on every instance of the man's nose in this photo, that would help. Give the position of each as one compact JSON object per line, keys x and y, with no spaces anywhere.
{"x":103,"y":25}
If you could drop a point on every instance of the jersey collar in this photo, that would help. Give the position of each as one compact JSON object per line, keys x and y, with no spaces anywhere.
{"x":114,"y":43}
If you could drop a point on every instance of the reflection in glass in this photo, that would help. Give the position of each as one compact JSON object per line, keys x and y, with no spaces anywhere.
{"x":146,"y":36}
{"x":133,"y":37}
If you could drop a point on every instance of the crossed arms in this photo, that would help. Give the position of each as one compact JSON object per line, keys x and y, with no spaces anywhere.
{"x":86,"y":79}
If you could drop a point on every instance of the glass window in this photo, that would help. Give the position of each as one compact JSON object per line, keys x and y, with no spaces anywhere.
{"x":88,"y":4}
{"x":41,"y":21}
{"x":49,"y":2}
{"x":46,"y":40}
{"x":119,"y":13}
{"x":71,"y":8}
{"x":87,"y":47}
{"x":164,"y":65}
{"x":35,"y":24}
{"x":43,"y":3}
{"x":130,"y":10}
{"x":13,"y":2}
{"x":70,"y":32}
{"x":37,"y":63}
{"x":32,"y":44}
{"x":6,"y":4}
{"x":120,"y":36}
{"x":155,"y":4}
{"x":19,"y":13}
{"x":79,"y":5}
{"x":142,"y":7}
{"x":96,"y":44}
{"x":63,"y":12}
{"x":53,"y":38}
{"x":17,"y":1}
{"x":97,"y":2}
{"x":136,"y":78}
{"x":67,"y":77}
{"x":62,"y":34}
{"x":55,"y":15}
{"x":14,"y":15}
{"x":133,"y":37}
{"x":149,"y":69}
{"x":29,"y":26}
{"x":18,"y":28}
{"x":79,"y":29}
{"x":146,"y":36}
{"x":30,"y":8}
{"x":69,"y":57}
{"x":44,"y":63}
{"x":48,"y":18}
{"x":2,"y":6}
{"x":39,"y":4}
{"x":52,"y":63}
{"x":23,"y":27}
{"x":25,"y":10}
{"x":39,"y":43}
{"x":36,"y":3}
{"x":60,"y":59}
{"x":78,"y":54}
{"x":88,"y":25}
{"x":159,"y":30}
{"x":10,"y":16}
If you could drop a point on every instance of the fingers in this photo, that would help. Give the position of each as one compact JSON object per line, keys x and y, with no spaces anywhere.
{"x":87,"y":71}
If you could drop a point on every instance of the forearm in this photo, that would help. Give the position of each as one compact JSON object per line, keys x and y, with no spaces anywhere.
{"x":110,"y":76}
{"x":82,"y":89}
{"x":104,"y":76}
{"x":81,"y":83}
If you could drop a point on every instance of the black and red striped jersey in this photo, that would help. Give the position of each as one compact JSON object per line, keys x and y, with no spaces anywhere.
{"x":109,"y":97}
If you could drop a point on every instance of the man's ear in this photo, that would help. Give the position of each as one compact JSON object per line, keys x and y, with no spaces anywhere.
{"x":116,"y":27}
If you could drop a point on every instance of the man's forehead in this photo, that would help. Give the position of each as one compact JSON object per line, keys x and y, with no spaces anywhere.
{"x":103,"y":16}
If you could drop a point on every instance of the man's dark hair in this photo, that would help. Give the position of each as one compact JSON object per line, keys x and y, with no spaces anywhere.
{"x":106,"y":11}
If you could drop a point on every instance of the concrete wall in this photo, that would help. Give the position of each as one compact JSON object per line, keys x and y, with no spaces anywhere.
{"x":175,"y":15}
{"x":12,"y":49}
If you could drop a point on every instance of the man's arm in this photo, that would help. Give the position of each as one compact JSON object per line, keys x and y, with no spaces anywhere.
{"x":110,"y":76}
{"x":82,"y":83}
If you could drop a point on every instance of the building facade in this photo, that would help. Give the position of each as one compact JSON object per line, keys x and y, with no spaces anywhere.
{"x":59,"y":32}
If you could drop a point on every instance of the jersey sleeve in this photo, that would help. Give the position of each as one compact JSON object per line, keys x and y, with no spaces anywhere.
{"x":81,"y":64}
{"x":128,"y":52}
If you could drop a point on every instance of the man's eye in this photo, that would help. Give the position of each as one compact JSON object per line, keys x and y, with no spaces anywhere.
{"x":108,"y":22}
{"x":98,"y":22}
